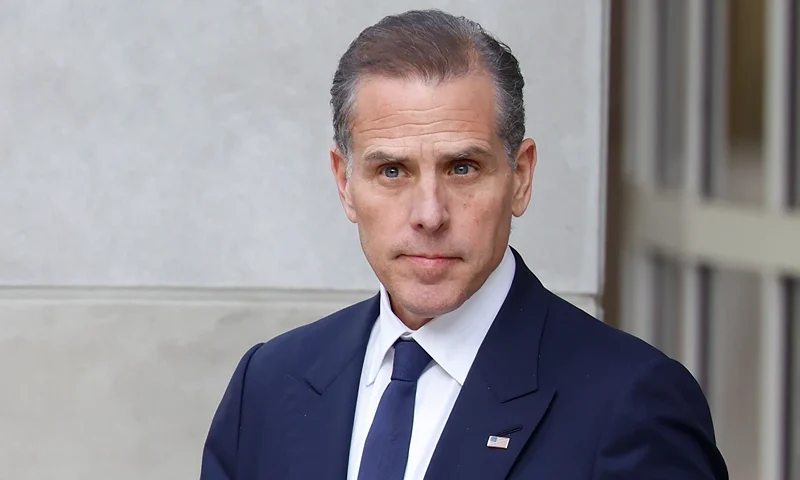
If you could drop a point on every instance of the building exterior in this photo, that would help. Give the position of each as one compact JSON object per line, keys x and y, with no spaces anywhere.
{"x":704,"y":226}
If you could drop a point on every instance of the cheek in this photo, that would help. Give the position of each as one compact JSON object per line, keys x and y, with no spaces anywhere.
{"x":480,"y":222}
{"x":485,"y":212}
{"x":365,"y":204}
{"x":378,"y":219}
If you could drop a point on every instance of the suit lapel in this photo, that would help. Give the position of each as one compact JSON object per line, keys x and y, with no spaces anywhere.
{"x":462,"y":451}
{"x":321,"y":406}
{"x":501,"y":395}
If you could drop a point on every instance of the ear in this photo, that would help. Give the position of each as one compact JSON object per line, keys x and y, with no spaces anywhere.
{"x":523,"y":177}
{"x":339,"y":169}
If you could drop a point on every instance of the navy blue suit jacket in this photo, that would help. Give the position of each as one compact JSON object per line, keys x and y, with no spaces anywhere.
{"x":577,"y":398}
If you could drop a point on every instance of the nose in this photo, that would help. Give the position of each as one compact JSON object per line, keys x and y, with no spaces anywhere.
{"x":429,"y":212}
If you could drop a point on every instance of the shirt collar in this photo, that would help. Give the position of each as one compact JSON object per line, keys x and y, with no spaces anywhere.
{"x":453,"y":339}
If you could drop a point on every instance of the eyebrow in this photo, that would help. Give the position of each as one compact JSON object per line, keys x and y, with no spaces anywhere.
{"x":379,"y":156}
{"x":473,"y":151}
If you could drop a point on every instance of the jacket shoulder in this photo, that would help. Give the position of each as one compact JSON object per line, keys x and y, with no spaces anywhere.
{"x":582,"y":353}
{"x":294,"y":349}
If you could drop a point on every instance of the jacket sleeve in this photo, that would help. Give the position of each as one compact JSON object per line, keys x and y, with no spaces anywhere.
{"x":222,"y":443}
{"x":660,"y":428}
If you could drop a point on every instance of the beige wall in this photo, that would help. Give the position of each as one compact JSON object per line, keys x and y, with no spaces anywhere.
{"x":122,"y":384}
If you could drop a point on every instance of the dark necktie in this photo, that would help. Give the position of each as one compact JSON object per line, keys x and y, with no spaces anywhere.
{"x":386,"y":449}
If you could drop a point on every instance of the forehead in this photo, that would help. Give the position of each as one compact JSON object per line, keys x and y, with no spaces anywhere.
{"x":412,"y":111}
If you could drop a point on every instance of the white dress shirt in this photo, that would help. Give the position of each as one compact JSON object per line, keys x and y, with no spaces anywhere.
{"x":452,"y":340}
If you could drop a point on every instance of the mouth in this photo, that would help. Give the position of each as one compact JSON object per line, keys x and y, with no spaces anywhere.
{"x":431,"y":260}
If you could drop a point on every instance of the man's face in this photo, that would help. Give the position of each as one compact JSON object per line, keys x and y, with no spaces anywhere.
{"x":431,"y":189}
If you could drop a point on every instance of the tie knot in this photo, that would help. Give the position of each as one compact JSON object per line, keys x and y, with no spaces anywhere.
{"x":409,"y":361}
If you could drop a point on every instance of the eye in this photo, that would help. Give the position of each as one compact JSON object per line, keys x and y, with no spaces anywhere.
{"x":463,"y":169}
{"x":390,"y":171}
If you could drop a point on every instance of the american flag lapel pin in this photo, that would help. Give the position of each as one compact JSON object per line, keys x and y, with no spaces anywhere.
{"x":497,"y":442}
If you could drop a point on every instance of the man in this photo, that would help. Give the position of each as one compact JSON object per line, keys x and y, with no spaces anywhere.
{"x":463,"y":366}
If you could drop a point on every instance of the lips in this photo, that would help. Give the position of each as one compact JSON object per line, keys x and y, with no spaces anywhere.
{"x":431,"y":260}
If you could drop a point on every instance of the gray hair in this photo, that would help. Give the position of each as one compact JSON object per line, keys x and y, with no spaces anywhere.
{"x":433,"y":46}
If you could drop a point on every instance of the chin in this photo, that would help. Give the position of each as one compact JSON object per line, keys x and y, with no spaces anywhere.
{"x":430,"y":301}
